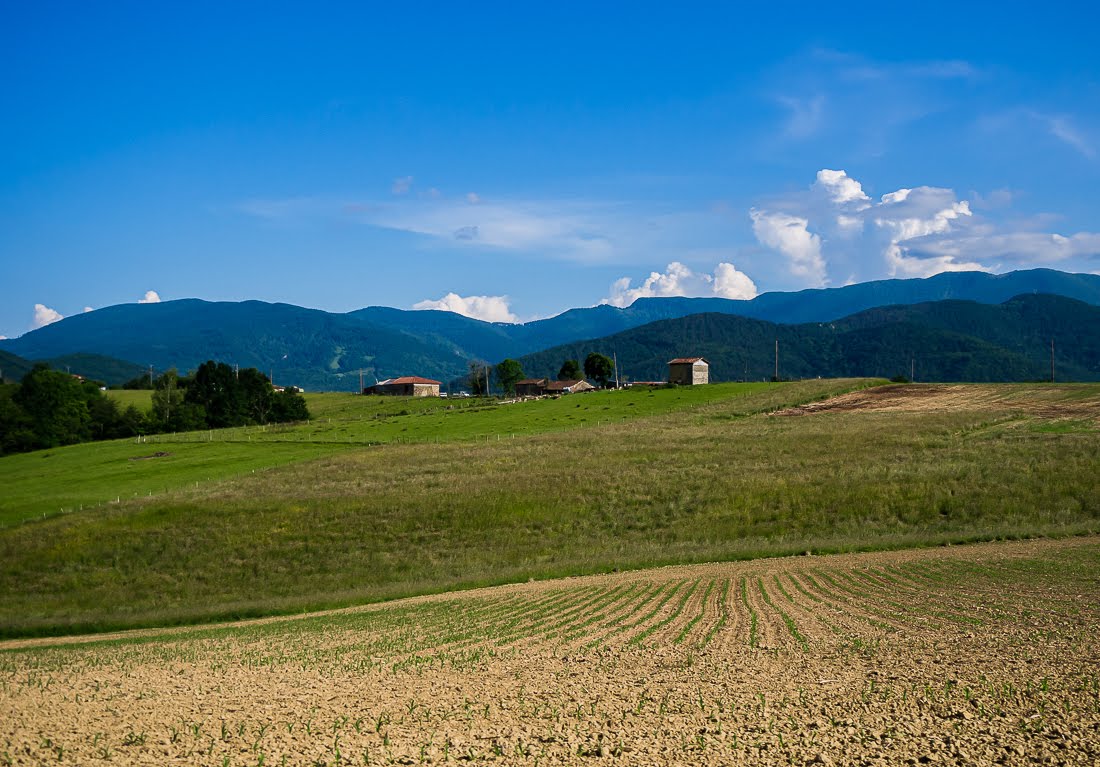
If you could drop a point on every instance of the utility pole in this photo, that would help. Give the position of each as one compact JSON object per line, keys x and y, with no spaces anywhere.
{"x":360,"y":380}
{"x":776,"y":360}
{"x":150,"y":376}
{"x":616,"y":355}
{"x":237,"y":372}
{"x":1052,"y":360}
{"x":912,"y":368}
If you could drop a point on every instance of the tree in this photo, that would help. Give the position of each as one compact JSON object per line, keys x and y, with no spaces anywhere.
{"x":509,"y":372}
{"x":167,"y":400}
{"x":56,"y":405}
{"x":288,"y":405}
{"x":477,"y":378}
{"x":570,"y":371}
{"x":256,"y":394}
{"x":215,"y":389}
{"x":599,"y":367}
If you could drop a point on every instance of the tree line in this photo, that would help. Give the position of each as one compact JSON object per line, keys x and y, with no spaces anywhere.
{"x":49,"y":408}
{"x":598,"y":367}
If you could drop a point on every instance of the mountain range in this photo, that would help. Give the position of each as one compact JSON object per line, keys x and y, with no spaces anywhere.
{"x":324,"y":350}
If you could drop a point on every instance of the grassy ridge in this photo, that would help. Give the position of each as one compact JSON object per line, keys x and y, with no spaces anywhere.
{"x":81,"y":476}
{"x":715,"y":482}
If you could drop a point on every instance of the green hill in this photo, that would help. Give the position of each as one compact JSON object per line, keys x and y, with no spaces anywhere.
{"x":96,"y":367}
{"x":939,"y":341}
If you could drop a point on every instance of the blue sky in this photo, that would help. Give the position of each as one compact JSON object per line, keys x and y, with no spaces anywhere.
{"x":512,"y":162}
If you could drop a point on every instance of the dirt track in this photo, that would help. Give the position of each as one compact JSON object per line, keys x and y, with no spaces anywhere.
{"x":965,"y":655}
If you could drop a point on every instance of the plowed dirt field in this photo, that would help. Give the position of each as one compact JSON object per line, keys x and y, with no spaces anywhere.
{"x":984,"y":654}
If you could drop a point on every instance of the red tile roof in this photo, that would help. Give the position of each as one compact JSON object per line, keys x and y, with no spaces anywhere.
{"x":410,"y":380}
{"x":561,"y":385}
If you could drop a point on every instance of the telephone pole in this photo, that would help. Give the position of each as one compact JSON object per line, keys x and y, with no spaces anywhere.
{"x":616,"y":356}
{"x":776,"y":378}
{"x":912,"y":368}
{"x":1052,"y":360}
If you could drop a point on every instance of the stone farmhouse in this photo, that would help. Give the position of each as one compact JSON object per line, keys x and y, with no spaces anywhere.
{"x":688,"y":371}
{"x":568,"y":387}
{"x":407,"y":386}
{"x":538,"y":387}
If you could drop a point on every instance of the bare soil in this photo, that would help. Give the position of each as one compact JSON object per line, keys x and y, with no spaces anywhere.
{"x":984,"y":654}
{"x":1046,"y":402}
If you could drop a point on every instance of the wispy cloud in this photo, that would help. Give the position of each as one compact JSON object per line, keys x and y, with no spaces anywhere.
{"x":1031,"y":122}
{"x":401,"y":185}
{"x":856,"y":102}
{"x":574,"y":230}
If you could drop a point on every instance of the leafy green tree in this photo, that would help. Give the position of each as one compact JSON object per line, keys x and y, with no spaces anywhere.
{"x":288,"y":405}
{"x":599,"y":367}
{"x":476,"y":378}
{"x":16,"y":429}
{"x":134,"y":422}
{"x":56,"y":405}
{"x":168,"y":397}
{"x":509,"y":372}
{"x":214,"y":388}
{"x":106,"y":418}
{"x":256,"y":395}
{"x":570,"y":371}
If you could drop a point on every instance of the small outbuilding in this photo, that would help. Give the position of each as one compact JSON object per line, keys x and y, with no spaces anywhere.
{"x":531,"y":387}
{"x":568,"y":387}
{"x":406,"y":386}
{"x":688,"y":371}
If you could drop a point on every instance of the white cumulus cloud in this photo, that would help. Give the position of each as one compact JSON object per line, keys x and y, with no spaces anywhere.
{"x":151,"y":297}
{"x":680,"y":280}
{"x":44,"y":315}
{"x":791,"y":236}
{"x":835,"y":226}
{"x":487,"y":308}
{"x":842,"y":188}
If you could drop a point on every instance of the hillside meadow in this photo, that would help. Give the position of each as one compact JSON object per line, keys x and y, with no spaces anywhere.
{"x":78,"y":477}
{"x":646,"y":478}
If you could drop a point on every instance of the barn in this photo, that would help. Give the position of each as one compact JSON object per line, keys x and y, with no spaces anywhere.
{"x":406,"y":386}
{"x":531,"y":387}
{"x":568,"y":387}
{"x":688,"y":371}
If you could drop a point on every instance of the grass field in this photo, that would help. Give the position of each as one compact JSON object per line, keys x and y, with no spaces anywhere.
{"x":979,"y":654}
{"x":73,"y":478}
{"x":464,"y":503}
{"x":142,"y":399}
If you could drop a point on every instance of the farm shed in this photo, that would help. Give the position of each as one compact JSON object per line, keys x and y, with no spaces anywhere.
{"x":407,"y":386}
{"x":568,"y":387}
{"x":688,"y":371}
{"x":531,"y":387}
